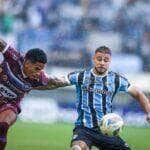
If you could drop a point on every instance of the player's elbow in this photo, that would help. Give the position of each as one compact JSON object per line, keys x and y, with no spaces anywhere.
{"x":139,"y":95}
{"x":136,"y":92}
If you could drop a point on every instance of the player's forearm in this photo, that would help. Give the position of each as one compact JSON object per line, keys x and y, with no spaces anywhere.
{"x":144,"y":102}
{"x":58,"y":82}
{"x":140,"y":96}
{"x":54,"y":83}
{"x":3,"y":45}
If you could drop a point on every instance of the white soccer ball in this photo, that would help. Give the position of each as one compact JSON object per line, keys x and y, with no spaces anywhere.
{"x":111,"y":124}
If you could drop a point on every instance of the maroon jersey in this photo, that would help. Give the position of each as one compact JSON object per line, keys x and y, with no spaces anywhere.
{"x":13,"y":83}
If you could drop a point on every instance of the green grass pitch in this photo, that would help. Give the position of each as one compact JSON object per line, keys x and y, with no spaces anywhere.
{"x":34,"y":136}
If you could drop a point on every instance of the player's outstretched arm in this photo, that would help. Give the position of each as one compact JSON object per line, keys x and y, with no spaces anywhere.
{"x":3,"y":45}
{"x":55,"y":82}
{"x":143,"y":100}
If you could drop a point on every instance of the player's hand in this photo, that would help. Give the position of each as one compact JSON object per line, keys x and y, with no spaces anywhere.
{"x":148,"y":117}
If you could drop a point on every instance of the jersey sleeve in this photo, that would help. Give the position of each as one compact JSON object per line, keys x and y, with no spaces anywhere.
{"x":11,"y":53}
{"x":76,"y":77}
{"x":73,"y":77}
{"x":123,"y":84}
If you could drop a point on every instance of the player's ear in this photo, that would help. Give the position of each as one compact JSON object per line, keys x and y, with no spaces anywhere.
{"x":93,"y":58}
{"x":27,"y":62}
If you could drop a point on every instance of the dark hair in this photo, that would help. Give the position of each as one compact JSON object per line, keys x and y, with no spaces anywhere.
{"x":36,"y":55}
{"x":103,"y":49}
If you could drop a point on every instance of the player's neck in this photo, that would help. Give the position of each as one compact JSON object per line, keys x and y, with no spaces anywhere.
{"x":94,"y":71}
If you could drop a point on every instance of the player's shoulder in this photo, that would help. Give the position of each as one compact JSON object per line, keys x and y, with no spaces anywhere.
{"x":118,"y":74}
{"x":12,"y":52}
{"x":77,"y":72}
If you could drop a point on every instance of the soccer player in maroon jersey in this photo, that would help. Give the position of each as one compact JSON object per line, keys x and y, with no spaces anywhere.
{"x":19,"y":75}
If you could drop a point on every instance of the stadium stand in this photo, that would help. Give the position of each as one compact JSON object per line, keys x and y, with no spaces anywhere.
{"x":62,"y":25}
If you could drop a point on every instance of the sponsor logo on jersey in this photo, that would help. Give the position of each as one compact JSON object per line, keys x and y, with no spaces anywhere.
{"x":7,"y":92}
{"x":11,"y":86}
{"x":99,"y":91}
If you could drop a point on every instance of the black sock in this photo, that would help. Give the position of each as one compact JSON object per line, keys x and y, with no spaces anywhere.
{"x":3,"y":134}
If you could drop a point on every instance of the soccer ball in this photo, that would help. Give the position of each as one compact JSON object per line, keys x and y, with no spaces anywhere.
{"x":111,"y":124}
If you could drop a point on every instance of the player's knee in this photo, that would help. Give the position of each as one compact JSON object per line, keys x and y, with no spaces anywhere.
{"x":76,"y":147}
{"x":8,"y":116}
{"x":79,"y":145}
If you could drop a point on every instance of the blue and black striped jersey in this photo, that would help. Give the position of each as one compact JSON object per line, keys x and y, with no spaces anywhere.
{"x":95,"y":94}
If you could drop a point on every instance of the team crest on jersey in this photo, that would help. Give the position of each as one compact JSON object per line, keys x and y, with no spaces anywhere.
{"x":107,"y":84}
{"x":14,"y":57}
{"x":14,"y":54}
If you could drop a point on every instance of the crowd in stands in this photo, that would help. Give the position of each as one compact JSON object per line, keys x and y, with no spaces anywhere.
{"x":72,"y":29}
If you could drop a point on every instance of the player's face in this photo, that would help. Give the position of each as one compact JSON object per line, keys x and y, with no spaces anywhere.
{"x":101,"y":62}
{"x":32,"y":70}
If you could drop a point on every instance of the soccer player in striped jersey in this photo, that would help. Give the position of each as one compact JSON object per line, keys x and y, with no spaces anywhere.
{"x":96,"y":89}
{"x":18,"y":76}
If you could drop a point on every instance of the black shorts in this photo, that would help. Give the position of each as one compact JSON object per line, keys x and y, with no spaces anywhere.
{"x":93,"y":137}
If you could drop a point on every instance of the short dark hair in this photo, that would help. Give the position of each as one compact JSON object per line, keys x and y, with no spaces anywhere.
{"x":103,"y":49}
{"x":36,"y":55}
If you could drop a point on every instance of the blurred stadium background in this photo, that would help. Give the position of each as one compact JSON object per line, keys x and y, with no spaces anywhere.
{"x":69,"y":31}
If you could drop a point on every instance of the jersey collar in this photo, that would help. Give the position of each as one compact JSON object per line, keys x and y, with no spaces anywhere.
{"x":92,"y":70}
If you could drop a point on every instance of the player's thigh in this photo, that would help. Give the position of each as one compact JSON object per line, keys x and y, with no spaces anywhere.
{"x":79,"y":145}
{"x":81,"y":138}
{"x":8,"y":116}
{"x":114,"y":143}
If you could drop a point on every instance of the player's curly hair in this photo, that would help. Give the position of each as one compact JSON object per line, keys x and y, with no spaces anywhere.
{"x":103,"y":49}
{"x":36,"y":55}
